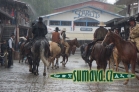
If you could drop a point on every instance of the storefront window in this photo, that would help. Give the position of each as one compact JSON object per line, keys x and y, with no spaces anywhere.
{"x":80,"y":23}
{"x":54,"y":22}
{"x":92,"y":24}
{"x":66,"y":23}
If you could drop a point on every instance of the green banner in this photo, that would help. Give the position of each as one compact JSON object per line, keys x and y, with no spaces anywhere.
{"x":93,"y":76}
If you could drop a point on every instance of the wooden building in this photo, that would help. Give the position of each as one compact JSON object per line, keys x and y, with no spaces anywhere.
{"x":14,"y":18}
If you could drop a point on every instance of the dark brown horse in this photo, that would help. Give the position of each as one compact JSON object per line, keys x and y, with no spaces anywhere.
{"x":126,"y":50}
{"x":72,"y":43}
{"x":101,"y":54}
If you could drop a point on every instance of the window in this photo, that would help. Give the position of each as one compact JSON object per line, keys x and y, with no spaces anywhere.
{"x":92,"y":24}
{"x":65,"y":23}
{"x":80,"y":23}
{"x":54,"y":22}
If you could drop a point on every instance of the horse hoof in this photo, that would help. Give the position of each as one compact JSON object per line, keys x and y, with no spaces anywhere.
{"x":44,"y":74}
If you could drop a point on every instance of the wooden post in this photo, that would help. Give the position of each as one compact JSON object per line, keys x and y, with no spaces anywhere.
{"x":138,"y":6}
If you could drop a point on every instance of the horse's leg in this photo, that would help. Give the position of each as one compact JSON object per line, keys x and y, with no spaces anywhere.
{"x":57,"y":63}
{"x":66,"y":60}
{"x":38,"y":61}
{"x":133,"y":68}
{"x":30,"y":64}
{"x":44,"y":72}
{"x":126,"y":68}
{"x":53,"y":59}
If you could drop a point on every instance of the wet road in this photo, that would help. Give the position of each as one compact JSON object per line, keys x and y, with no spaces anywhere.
{"x":18,"y":79}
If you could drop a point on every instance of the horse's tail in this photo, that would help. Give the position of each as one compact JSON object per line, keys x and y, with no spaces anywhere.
{"x":44,"y":52}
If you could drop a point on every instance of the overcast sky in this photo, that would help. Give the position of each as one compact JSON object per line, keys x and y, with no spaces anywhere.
{"x":111,"y":1}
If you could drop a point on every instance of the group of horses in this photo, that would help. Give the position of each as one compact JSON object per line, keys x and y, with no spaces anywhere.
{"x":124,"y":51}
{"x":38,"y":50}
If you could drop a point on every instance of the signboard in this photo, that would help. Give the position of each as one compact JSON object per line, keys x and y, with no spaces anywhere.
{"x":87,"y":13}
{"x":86,"y":29}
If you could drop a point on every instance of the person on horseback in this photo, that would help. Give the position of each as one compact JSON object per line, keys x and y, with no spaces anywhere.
{"x":63,"y":41}
{"x":134,"y":32}
{"x":39,"y":31}
{"x":56,"y":38}
{"x":99,"y":35}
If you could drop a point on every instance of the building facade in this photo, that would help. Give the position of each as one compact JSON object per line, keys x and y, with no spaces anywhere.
{"x":84,"y":19}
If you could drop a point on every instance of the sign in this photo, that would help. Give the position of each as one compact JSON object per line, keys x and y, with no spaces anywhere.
{"x":86,"y":29}
{"x":93,"y":76}
{"x":87,"y":13}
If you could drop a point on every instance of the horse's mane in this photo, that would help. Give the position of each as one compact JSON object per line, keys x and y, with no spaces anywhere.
{"x":114,"y":35}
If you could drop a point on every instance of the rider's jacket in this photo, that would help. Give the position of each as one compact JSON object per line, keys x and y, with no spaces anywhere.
{"x":63,"y":34}
{"x":134,"y":35}
{"x":100,"y":33}
{"x":134,"y":31}
{"x":39,"y":30}
{"x":56,"y":37}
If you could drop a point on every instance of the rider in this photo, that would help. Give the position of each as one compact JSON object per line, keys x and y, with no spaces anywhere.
{"x":39,"y":30}
{"x":98,"y":36}
{"x":63,"y":41}
{"x":56,"y":37}
{"x":134,"y":32}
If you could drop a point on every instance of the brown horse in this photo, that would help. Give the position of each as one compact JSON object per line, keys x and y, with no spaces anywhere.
{"x":126,"y":50}
{"x":72,"y":43}
{"x":101,"y":55}
{"x":116,"y":58}
{"x":22,"y":41}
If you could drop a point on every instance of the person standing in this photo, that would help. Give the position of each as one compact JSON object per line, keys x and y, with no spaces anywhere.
{"x":11,"y":50}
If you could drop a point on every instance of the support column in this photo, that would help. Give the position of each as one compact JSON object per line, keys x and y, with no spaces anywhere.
{"x":138,"y":6}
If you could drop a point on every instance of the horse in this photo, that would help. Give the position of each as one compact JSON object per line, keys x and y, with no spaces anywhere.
{"x":22,"y":41}
{"x":83,"y":48}
{"x":126,"y":50}
{"x":56,"y":52}
{"x":40,"y":51}
{"x":72,"y":43}
{"x":101,"y":54}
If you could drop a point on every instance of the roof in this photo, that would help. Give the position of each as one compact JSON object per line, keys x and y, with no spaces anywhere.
{"x":125,"y":2}
{"x":83,"y":2}
{"x":81,"y":8}
{"x":112,"y":22}
{"x":5,"y":14}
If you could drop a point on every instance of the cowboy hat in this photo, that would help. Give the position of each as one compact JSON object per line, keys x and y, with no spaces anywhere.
{"x":64,"y":29}
{"x":131,"y":19}
{"x":57,"y":29}
{"x":101,"y":24}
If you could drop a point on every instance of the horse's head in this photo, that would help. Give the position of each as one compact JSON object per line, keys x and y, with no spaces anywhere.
{"x":108,"y":38}
{"x":75,"y":42}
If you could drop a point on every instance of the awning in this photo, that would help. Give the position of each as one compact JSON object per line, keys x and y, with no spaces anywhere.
{"x":112,"y":22}
{"x":125,"y":2}
{"x":5,"y":14}
{"x":80,"y":36}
